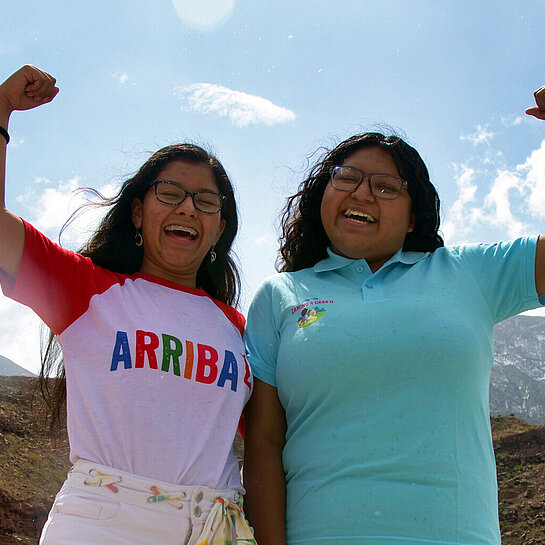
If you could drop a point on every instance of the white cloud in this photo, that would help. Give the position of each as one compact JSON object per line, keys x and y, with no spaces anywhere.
{"x":459,"y":218}
{"x":513,"y":203}
{"x":121,"y":77}
{"x":50,"y":207}
{"x":16,"y":142}
{"x":534,"y":181}
{"x":498,"y":202}
{"x":241,"y":108}
{"x":203,"y":13}
{"x":41,"y":180}
{"x":481,"y":136}
{"x":511,"y":120}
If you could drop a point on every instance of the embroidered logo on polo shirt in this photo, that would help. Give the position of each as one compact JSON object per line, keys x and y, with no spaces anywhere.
{"x":309,"y":311}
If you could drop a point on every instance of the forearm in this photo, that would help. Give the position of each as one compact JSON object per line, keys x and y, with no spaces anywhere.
{"x":265,"y":501}
{"x":11,"y":227}
{"x":27,"y":88}
{"x":4,"y":122}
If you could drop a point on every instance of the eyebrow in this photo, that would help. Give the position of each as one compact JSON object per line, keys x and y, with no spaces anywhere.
{"x":174,"y":182}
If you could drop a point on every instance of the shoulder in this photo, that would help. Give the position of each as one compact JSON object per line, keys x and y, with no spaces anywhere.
{"x":42,"y":254}
{"x":232,"y":314}
{"x":281,"y":284}
{"x":495,"y":250}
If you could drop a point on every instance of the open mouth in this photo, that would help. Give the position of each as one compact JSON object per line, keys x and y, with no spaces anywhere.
{"x":356,"y":215}
{"x":181,"y":231}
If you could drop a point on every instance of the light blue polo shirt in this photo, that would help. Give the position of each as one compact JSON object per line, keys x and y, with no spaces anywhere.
{"x":384,"y":381}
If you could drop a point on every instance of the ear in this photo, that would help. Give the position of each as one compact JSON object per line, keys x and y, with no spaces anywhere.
{"x":412,"y":223}
{"x":136,"y":215}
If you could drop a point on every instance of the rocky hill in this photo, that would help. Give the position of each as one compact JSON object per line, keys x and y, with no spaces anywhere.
{"x":32,"y":464}
{"x":33,"y":467}
{"x":517,"y":384}
{"x":520,"y":463}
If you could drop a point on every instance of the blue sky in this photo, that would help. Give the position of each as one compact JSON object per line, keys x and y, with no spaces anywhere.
{"x":264,"y":85}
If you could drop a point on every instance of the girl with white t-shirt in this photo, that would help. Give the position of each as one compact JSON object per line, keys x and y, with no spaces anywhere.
{"x":153,"y":360}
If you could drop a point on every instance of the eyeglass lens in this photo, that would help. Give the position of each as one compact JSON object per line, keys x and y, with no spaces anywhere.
{"x":205,"y":201}
{"x":382,"y":186}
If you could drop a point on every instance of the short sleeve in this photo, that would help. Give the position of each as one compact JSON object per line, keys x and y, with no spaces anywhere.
{"x":505,"y":273}
{"x":261,"y":335}
{"x":54,"y":282}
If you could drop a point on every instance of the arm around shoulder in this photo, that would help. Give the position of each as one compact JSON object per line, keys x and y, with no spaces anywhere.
{"x":265,"y":502}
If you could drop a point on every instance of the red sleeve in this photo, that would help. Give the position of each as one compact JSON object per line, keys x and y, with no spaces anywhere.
{"x":233,"y":315}
{"x":236,"y":318}
{"x":56,"y":283}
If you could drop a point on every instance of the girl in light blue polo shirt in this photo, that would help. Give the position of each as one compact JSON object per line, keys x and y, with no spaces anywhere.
{"x":369,"y":425}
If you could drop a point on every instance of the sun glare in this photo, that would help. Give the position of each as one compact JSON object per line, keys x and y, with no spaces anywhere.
{"x":204,"y":13}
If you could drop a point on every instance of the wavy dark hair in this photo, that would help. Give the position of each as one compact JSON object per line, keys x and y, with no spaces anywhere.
{"x":304,"y":241}
{"x":112,"y":246}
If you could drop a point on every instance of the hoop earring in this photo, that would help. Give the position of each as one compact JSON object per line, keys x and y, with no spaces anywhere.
{"x":138,"y":240}
{"x":213,"y":254}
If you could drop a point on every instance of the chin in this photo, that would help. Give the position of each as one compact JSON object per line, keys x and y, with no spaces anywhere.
{"x":351,"y":254}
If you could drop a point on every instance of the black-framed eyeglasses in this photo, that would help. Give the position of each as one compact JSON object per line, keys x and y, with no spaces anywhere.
{"x":172,"y":193}
{"x":382,"y":186}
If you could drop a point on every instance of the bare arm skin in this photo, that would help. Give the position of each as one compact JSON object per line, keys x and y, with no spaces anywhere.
{"x":539,"y":112}
{"x":27,"y":88}
{"x":265,"y":431}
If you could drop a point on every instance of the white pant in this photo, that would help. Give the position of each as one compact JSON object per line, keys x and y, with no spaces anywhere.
{"x":98,"y":505}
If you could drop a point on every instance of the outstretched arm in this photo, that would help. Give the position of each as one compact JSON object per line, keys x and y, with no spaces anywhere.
{"x":27,"y":88}
{"x":539,"y":112}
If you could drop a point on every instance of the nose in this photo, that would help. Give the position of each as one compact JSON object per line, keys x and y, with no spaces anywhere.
{"x":363,"y":191}
{"x":187,"y":206}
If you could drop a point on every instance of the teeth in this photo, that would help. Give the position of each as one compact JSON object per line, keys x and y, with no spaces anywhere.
{"x":182,"y":228}
{"x":356,"y":213}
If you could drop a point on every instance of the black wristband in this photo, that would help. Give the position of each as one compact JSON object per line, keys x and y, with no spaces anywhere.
{"x":5,"y":134}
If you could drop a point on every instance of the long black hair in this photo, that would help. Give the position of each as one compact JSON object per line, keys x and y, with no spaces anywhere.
{"x":112,"y":246}
{"x":304,"y":241}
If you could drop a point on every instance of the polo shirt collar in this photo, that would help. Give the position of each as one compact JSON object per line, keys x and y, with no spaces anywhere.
{"x":334,"y":261}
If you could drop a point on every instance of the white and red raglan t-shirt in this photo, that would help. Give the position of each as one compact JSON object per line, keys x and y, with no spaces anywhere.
{"x":156,"y":374}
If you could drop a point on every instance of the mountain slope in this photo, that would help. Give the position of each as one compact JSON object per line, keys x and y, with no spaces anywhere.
{"x":9,"y":368}
{"x":517,"y":383}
